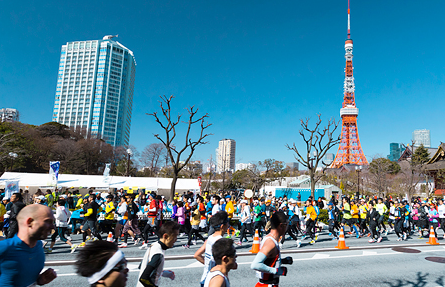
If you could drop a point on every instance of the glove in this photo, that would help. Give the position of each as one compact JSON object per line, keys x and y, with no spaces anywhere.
{"x":169,"y":274}
{"x":281,"y":271}
{"x":288,"y":260}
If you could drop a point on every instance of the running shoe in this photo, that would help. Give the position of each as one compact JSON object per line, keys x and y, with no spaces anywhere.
{"x":358,"y":236}
{"x":312,"y":242}
{"x":386,"y":232}
{"x":228,"y":236}
{"x":298,"y":243}
{"x":95,"y":239}
{"x":74,"y":247}
{"x":238,"y":243}
{"x":123,"y":245}
{"x":330,"y":234}
{"x":280,"y":244}
{"x":81,"y":244}
{"x":371,"y":240}
{"x":404,"y":236}
{"x":316,"y":237}
{"x":194,"y":242}
{"x":136,"y":242}
{"x":44,"y":243}
{"x":420,"y":237}
{"x":186,"y":246}
{"x":143,"y":246}
{"x":369,"y":234}
{"x":379,"y":240}
{"x":303,"y":237}
{"x":399,"y":239}
{"x":48,"y":250}
{"x":88,"y":238}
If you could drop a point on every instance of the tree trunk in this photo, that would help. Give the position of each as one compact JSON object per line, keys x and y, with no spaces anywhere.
{"x":173,"y":186}
{"x":312,"y":174}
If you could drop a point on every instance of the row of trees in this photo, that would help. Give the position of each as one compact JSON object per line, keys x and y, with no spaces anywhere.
{"x":384,"y":177}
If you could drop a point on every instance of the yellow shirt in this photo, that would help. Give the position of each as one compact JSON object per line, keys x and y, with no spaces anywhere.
{"x":363,"y":211}
{"x":196,"y":217}
{"x":310,"y":210}
{"x":354,"y":211}
{"x":230,"y":209}
{"x":109,"y":207}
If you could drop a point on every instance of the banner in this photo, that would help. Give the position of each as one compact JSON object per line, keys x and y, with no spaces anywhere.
{"x":107,"y":173}
{"x":54,"y":167}
{"x":11,"y":187}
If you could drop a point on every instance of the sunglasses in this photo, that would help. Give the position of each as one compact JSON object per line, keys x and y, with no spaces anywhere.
{"x":120,"y":267}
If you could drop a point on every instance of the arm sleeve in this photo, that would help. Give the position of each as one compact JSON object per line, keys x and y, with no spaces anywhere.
{"x":149,"y":274}
{"x":258,"y":264}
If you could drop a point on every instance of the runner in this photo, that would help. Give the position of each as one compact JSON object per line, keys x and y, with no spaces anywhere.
{"x":62,"y":216}
{"x":268,"y":261}
{"x":152,"y":266}
{"x":220,"y":223}
{"x":373,"y":218}
{"x":246,"y":222}
{"x":224,"y":254}
{"x":311,"y":217}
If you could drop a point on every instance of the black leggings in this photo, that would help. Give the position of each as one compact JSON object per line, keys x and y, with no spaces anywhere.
{"x":243,"y":234}
{"x":310,"y":227}
{"x":61,"y":232}
{"x":196,"y":233}
{"x":399,"y":227}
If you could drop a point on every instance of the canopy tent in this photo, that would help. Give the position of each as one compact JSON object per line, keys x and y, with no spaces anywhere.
{"x":38,"y":180}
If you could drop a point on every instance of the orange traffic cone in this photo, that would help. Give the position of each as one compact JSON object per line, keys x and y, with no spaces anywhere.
{"x":432,"y":240}
{"x":110,"y":237}
{"x":256,"y":243}
{"x":341,"y":241}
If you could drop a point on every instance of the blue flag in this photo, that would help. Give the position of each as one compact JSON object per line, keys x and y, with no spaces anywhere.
{"x":55,"y":165}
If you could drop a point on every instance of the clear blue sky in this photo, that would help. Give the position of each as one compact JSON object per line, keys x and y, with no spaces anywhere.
{"x":256,"y":67}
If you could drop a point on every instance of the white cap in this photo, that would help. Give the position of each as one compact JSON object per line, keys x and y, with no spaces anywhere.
{"x":244,"y":201}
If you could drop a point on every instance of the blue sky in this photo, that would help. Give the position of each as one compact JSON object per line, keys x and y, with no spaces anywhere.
{"x":256,"y":67}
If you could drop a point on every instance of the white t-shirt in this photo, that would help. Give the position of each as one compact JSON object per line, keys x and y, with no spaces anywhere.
{"x":216,"y":208}
{"x":209,"y":263}
{"x":213,"y":274}
{"x":246,"y":213}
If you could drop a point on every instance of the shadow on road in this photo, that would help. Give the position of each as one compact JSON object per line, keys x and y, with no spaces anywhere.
{"x":420,"y":281}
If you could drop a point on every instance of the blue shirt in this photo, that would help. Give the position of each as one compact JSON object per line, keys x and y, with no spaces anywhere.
{"x":20,"y":265}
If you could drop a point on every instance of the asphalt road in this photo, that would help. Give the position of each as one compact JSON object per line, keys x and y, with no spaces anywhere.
{"x":366,"y":267}
{"x":62,"y":252}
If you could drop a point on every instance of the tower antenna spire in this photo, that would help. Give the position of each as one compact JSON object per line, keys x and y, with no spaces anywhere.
{"x":349,"y":20}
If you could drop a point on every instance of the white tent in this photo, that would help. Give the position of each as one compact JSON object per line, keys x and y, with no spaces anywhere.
{"x":32,"y":181}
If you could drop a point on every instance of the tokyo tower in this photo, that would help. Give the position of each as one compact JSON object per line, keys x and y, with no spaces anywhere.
{"x":349,"y":150}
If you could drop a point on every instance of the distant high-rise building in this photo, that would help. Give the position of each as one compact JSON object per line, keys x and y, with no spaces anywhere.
{"x":94,"y":90}
{"x":241,"y":166}
{"x":292,"y":165}
{"x":328,"y":158}
{"x":422,"y":137}
{"x":225,"y":155}
{"x":395,"y":152}
{"x":9,"y":115}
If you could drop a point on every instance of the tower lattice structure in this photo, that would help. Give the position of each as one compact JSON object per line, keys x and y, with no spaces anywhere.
{"x":349,"y":151}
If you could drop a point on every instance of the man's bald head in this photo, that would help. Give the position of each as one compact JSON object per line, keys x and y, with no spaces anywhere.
{"x":33,"y":211}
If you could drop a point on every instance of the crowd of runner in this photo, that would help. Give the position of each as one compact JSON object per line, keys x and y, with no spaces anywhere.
{"x":118,"y":217}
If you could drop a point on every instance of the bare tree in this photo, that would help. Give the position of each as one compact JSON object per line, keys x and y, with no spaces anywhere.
{"x":318,"y":142}
{"x":380,"y":172}
{"x":151,"y":155}
{"x":168,"y":124}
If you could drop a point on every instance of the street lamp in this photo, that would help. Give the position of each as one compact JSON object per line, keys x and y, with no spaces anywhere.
{"x":312,"y":172}
{"x":13,"y":156}
{"x":358,"y":169}
{"x":129,"y":153}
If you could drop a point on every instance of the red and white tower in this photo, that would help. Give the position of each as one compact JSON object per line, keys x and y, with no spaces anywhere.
{"x":349,"y":150}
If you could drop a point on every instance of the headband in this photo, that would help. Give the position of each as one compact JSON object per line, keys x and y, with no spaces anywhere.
{"x":116,"y":258}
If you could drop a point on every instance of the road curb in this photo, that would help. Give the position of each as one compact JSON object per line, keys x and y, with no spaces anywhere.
{"x":291,"y":251}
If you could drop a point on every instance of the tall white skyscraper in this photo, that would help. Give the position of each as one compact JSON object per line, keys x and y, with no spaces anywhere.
{"x":225,"y":155}
{"x":422,"y":137}
{"x":94,"y":89}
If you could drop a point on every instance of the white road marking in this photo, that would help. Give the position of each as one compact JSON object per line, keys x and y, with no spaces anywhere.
{"x":320,"y":256}
{"x":315,"y":257}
